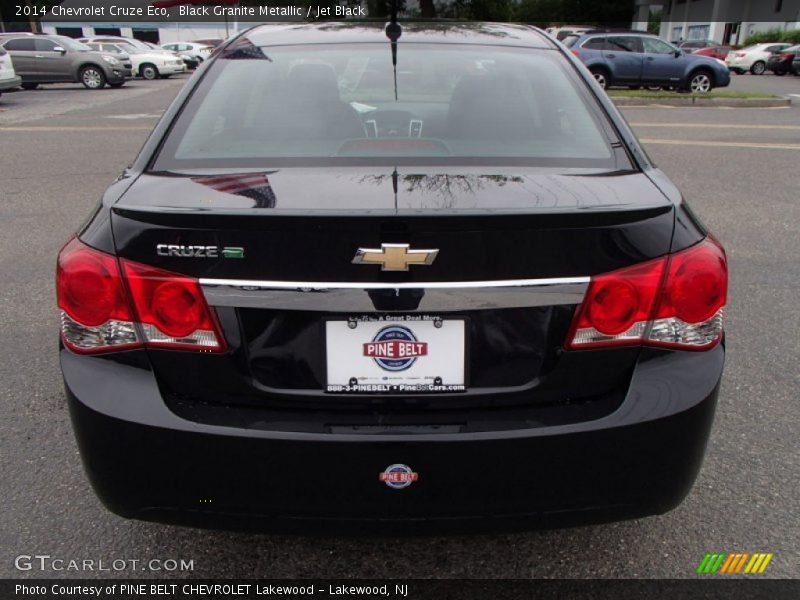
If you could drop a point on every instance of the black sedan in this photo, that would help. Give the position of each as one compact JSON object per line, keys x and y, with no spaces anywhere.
{"x":780,"y":61}
{"x":420,"y":278}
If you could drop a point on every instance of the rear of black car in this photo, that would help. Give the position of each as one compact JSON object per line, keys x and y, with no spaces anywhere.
{"x":335,"y":294}
{"x":780,"y":61}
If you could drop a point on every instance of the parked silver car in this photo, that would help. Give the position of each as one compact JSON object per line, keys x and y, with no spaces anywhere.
{"x":148,"y":62}
{"x":118,"y":52}
{"x":58,"y":59}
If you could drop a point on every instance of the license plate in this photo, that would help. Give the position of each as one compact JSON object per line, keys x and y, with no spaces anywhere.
{"x":395,"y":355}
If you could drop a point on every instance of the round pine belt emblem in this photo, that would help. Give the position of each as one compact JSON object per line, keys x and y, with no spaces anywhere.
{"x":395,"y":348}
{"x":398,"y":476}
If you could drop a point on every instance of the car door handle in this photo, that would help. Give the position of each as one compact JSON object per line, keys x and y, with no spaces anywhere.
{"x":39,"y":56}
{"x":650,"y":58}
{"x":611,"y":56}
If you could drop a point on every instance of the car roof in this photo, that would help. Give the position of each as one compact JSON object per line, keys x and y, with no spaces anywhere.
{"x":23,"y":35}
{"x":494,"y":34}
{"x":618,"y":32}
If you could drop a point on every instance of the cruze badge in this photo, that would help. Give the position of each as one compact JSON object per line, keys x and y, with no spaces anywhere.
{"x":394,"y":257}
{"x":180,"y":251}
{"x":398,"y":476}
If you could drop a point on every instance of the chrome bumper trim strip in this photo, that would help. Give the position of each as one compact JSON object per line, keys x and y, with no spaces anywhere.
{"x":352,"y":297}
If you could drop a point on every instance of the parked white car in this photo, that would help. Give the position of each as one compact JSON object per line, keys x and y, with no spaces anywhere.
{"x":752,"y":58}
{"x":152,"y":61}
{"x":145,"y":61}
{"x":9,"y":80}
{"x":201,"y":51}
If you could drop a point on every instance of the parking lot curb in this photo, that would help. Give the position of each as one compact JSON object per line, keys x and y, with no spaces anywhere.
{"x":695,"y":101}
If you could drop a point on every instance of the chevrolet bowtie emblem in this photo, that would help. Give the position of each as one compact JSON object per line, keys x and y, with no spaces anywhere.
{"x":394,"y":257}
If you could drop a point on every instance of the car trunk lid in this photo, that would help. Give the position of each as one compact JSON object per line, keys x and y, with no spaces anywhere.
{"x":515,"y":251}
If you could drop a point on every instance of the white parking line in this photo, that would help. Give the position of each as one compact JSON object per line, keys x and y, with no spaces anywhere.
{"x":135,"y":116}
{"x":716,"y":126}
{"x":713,"y":144}
{"x":76,"y":128}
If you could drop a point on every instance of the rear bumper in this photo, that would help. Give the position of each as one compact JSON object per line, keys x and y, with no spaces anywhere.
{"x":10,"y":83}
{"x":742,"y":64}
{"x":146,"y":462}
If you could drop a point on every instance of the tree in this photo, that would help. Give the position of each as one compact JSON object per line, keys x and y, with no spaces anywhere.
{"x":654,"y":23}
{"x":477,"y":10}
{"x":609,"y":13}
{"x":427,"y":9}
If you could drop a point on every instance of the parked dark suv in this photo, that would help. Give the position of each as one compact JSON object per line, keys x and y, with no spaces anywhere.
{"x":58,"y":59}
{"x":637,"y":58}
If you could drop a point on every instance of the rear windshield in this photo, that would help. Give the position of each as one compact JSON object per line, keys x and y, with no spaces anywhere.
{"x":344,"y":104}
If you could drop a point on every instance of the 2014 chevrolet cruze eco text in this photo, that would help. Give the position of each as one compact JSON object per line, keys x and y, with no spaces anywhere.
{"x":414,"y":279}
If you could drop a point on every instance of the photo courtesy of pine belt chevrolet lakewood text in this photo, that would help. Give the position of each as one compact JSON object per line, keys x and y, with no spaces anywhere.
{"x":411,"y":278}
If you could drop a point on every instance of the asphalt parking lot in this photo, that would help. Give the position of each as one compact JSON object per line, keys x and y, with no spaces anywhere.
{"x":61,"y":146}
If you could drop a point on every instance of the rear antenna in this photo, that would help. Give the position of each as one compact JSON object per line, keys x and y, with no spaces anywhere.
{"x":393,"y":32}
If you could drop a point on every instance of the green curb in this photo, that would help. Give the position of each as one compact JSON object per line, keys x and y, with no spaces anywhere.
{"x":695,"y":101}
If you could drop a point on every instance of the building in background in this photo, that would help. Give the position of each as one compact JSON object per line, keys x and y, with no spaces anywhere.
{"x":144,"y":28}
{"x":141,"y":28}
{"x":724,"y":21}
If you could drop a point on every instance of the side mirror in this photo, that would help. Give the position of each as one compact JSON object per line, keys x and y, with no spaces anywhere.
{"x":59,"y":49}
{"x":678,"y":53}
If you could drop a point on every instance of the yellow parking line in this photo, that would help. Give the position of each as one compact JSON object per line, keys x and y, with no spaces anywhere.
{"x":75,"y":128}
{"x":713,"y":144}
{"x":717,"y":126}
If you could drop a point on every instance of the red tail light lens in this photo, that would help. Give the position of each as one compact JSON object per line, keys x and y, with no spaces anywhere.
{"x":676,"y":301}
{"x":98,"y":314}
{"x":697,"y":284}
{"x":88,"y":285}
{"x":177,"y":309}
{"x":616,"y":306}
{"x":172,"y":309}
{"x":95,"y":314}
{"x":691,"y":307}
{"x":576,"y":52}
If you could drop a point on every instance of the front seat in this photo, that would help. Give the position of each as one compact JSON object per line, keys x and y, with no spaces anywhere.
{"x":313,"y":93}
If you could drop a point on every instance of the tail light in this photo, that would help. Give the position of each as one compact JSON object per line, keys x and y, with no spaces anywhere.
{"x":576,"y":52}
{"x":787,"y":55}
{"x":676,"y":301}
{"x":95,"y":313}
{"x":172,"y":309}
{"x":102,"y":311}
